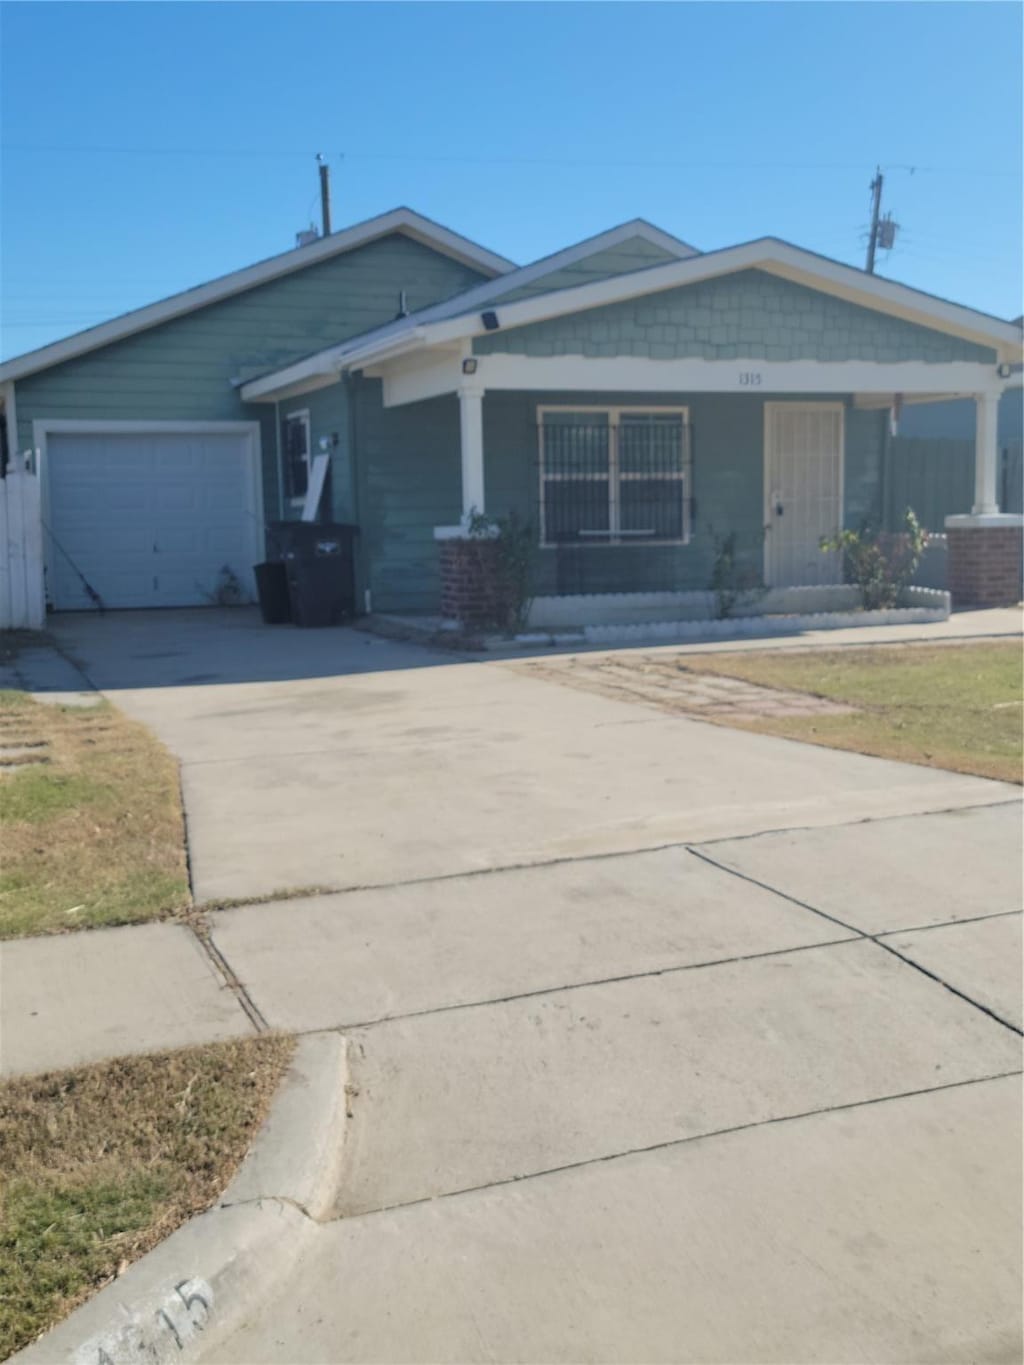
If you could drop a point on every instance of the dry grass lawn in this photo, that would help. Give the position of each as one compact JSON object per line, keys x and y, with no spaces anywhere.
{"x":92,"y":834}
{"x":956,"y":706}
{"x":100,"y":1163}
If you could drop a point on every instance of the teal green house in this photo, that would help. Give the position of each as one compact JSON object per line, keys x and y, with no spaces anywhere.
{"x":633,"y":400}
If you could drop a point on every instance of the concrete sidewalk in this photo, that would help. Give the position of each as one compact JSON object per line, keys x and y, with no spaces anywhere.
{"x":410,"y":950}
{"x":665,"y":1042}
{"x":862,"y":1234}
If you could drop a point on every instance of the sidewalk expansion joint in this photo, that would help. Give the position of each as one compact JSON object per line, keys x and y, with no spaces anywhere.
{"x":953,"y":990}
{"x":678,"y":1142}
{"x":950,"y":923}
{"x":260,"y":1199}
{"x":225,"y":971}
{"x":876,"y":938}
{"x":567,"y":860}
{"x":567,"y":988}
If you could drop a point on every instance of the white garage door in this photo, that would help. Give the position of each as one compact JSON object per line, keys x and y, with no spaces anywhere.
{"x":150,"y":518}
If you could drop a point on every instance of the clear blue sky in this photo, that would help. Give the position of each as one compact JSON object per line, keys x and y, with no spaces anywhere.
{"x":148,"y":147}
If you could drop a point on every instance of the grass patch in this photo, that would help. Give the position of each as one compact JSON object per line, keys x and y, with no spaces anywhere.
{"x":945,"y":706}
{"x":93,"y":834}
{"x":100,"y":1163}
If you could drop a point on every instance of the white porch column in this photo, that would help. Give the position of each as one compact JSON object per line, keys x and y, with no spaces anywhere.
{"x":471,"y":421}
{"x":986,"y":453}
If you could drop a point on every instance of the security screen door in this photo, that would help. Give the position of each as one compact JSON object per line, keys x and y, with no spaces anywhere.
{"x":803,"y":489}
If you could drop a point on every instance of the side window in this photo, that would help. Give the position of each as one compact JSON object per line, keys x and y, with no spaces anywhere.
{"x":295,"y":454}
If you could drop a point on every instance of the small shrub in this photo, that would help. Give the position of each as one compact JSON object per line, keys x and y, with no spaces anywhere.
{"x":733,"y":577}
{"x":880,"y":563}
{"x":513,"y":542}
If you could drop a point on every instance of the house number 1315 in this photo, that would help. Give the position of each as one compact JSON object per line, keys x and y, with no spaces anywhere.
{"x":750,"y":378}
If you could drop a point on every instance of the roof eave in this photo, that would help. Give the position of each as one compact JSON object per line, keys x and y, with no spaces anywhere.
{"x":819,"y":271}
{"x":402,"y":220}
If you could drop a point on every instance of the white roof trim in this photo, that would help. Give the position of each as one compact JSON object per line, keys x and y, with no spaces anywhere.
{"x":327,"y":360}
{"x":777,"y":257}
{"x":780,"y":257}
{"x":402,"y":220}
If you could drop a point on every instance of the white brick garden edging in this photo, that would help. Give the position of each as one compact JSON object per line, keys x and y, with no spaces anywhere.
{"x":920,"y":606}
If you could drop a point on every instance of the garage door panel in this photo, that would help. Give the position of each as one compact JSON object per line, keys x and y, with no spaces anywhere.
{"x":118,"y":541}
{"x":150,"y":518}
{"x":177,"y":498}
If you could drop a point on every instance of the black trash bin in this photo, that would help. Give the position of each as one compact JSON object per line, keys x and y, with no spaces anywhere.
{"x":272,"y":591}
{"x":319,"y":562}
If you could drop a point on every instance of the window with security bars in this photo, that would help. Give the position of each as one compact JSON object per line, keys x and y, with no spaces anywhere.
{"x":614,"y":476}
{"x":295,"y":455}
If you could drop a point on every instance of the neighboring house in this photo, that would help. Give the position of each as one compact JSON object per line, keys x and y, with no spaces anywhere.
{"x":930,"y":463}
{"x":631,"y":398}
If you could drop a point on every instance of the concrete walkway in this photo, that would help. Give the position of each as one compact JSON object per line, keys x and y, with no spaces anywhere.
{"x":666,"y":1042}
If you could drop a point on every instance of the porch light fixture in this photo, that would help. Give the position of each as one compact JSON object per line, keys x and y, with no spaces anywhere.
{"x":490,"y":322}
{"x":1004,"y":371}
{"x":469,"y":365}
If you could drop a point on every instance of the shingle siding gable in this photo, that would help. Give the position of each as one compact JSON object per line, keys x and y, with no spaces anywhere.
{"x":750,"y":314}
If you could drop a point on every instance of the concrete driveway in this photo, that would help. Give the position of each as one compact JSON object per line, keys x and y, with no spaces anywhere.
{"x":338,"y":759}
{"x":667,"y":1042}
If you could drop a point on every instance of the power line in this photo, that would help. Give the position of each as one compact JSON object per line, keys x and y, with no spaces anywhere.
{"x":592,"y":163}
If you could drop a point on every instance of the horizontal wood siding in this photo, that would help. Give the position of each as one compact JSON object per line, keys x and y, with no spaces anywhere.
{"x":728,"y":482}
{"x":635,"y":254}
{"x":182,"y":370}
{"x":866,"y":432}
{"x":410,"y":481}
{"x":749,"y":315}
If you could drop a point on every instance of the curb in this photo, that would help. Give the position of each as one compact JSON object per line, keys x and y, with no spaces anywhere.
{"x":198,"y":1285}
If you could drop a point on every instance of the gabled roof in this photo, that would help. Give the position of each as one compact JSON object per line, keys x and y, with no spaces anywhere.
{"x":471,"y":299}
{"x":402,"y":220}
{"x":767,"y":253}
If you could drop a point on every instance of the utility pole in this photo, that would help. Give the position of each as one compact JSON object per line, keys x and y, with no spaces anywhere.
{"x":325,"y":194}
{"x":876,"y":208}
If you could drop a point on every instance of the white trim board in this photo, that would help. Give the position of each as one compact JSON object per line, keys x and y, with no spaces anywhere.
{"x":768,"y":254}
{"x":302,"y":373}
{"x":298,"y":415}
{"x":402,"y":220}
{"x":45,"y":427}
{"x":417,"y":378}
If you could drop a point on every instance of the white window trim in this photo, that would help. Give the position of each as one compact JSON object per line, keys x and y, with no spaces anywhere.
{"x":614,"y":477}
{"x":300,"y":415}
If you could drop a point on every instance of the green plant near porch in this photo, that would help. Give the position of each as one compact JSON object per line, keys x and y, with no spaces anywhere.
{"x":880,"y":563}
{"x":734,"y":579}
{"x":511,"y":546}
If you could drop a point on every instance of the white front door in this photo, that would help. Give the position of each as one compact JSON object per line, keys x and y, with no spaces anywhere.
{"x":803,"y":491}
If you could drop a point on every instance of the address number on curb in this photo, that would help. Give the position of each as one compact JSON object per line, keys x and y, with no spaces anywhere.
{"x":158,"y":1334}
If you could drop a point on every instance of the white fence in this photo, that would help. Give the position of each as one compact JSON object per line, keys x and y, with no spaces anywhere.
{"x":22,"y":606}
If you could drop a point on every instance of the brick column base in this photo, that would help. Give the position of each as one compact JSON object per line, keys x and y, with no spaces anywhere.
{"x":985,"y":555}
{"x":469,"y":582}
